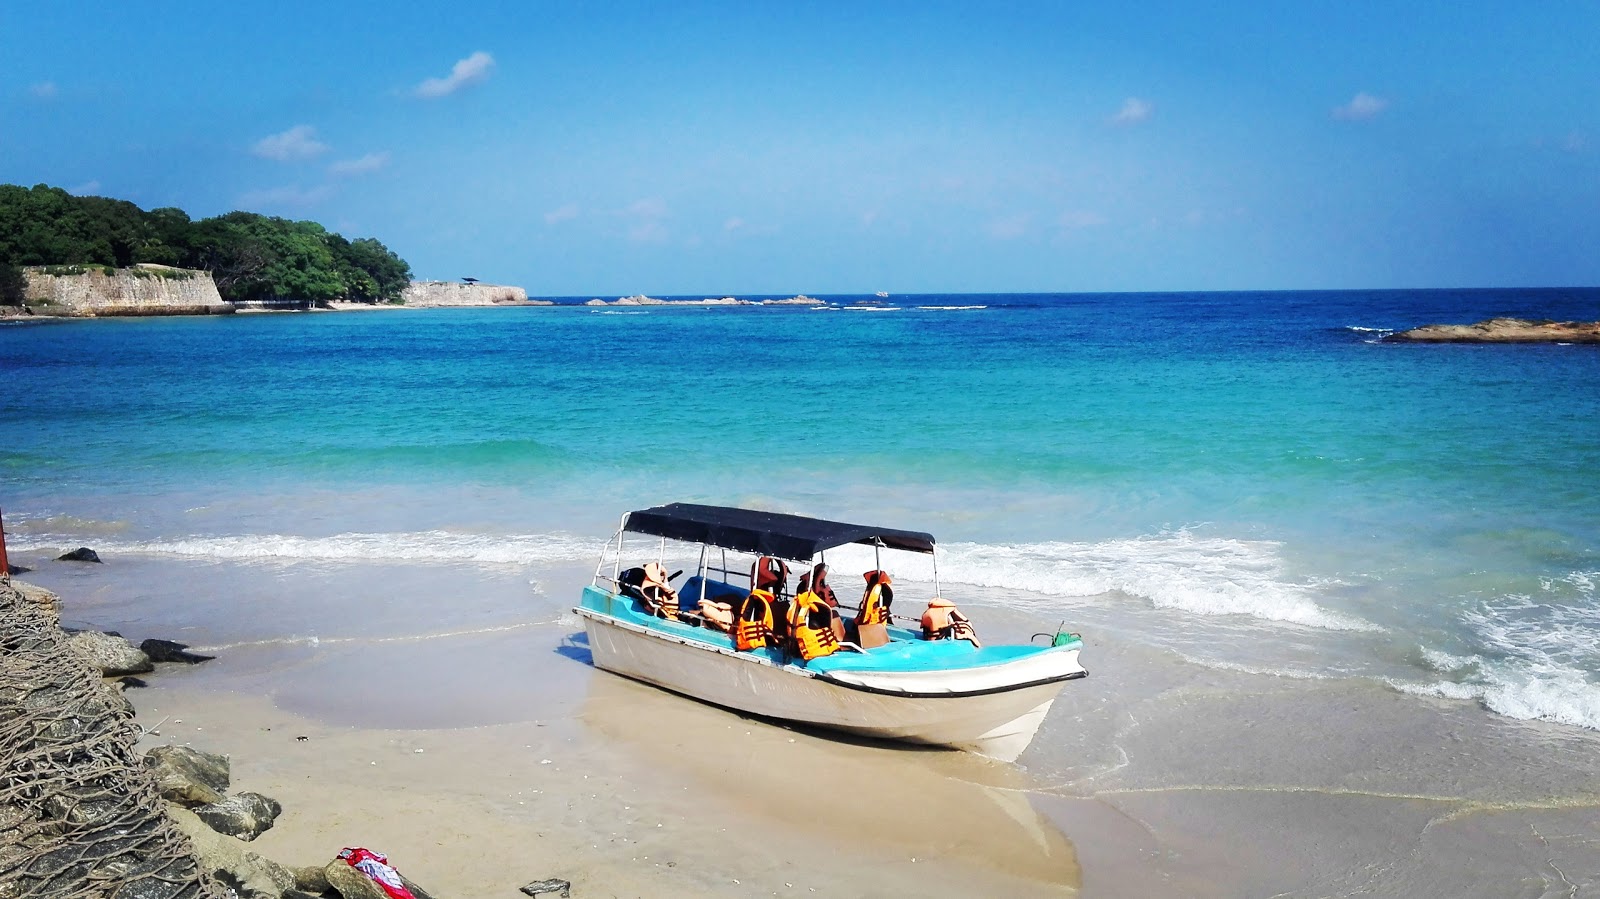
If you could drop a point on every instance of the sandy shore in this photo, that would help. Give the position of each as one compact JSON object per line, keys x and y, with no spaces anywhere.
{"x":1152,"y":777}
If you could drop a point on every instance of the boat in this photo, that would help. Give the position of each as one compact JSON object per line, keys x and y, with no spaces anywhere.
{"x":952,"y":693}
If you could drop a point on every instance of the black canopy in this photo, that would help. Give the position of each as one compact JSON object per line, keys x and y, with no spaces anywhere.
{"x":792,"y":537}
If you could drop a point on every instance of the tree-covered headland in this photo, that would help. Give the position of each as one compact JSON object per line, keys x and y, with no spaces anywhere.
{"x":250,"y":256}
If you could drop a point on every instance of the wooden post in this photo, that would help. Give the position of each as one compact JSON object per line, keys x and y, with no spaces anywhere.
{"x":5,"y":564}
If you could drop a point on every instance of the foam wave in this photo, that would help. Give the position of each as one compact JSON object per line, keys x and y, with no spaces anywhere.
{"x":417,"y":546}
{"x":952,"y":308}
{"x":1207,"y":576}
{"x":1533,"y":658}
{"x":1361,"y":330}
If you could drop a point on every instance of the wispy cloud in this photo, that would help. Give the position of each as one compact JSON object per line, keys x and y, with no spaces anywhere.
{"x":564,"y":214}
{"x":1074,"y":219}
{"x":1133,"y":111}
{"x":1009,"y":227}
{"x":299,"y":142}
{"x":1362,"y":106}
{"x":733,"y":224}
{"x":465,"y":73}
{"x":292,"y":195}
{"x":644,"y":220}
{"x":1575,"y":143}
{"x":44,"y":90}
{"x":367,"y":164}
{"x":86,"y":189}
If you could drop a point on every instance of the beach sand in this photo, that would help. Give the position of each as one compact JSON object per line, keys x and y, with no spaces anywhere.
{"x":1152,"y":777}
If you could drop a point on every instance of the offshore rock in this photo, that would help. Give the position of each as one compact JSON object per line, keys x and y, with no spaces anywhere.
{"x":81,"y":554}
{"x":1503,"y":330}
{"x":249,"y":875}
{"x":113,"y":655}
{"x":246,"y":816}
{"x":188,"y":776}
{"x":169,"y":651}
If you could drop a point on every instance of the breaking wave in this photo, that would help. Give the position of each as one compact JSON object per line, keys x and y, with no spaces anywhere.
{"x":1534,"y":657}
{"x":416,"y":546}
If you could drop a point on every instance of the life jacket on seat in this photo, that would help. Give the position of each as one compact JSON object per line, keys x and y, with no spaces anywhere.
{"x":816,"y":581}
{"x":752,"y":627}
{"x":649,"y":585}
{"x":769,"y":574}
{"x":943,"y":621}
{"x":876,"y":601}
{"x":811,"y":626}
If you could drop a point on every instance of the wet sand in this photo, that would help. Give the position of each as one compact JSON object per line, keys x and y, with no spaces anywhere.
{"x":1152,"y":777}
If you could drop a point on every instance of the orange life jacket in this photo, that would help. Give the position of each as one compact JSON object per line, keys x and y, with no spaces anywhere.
{"x":753,"y":628}
{"x":876,"y":601}
{"x":943,"y":621}
{"x":769,"y":574}
{"x":816,"y":580}
{"x":660,"y":599}
{"x":811,"y":624}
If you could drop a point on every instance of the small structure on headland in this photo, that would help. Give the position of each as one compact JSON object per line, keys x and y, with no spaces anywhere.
{"x":1503,"y":330}
{"x":467,"y":292}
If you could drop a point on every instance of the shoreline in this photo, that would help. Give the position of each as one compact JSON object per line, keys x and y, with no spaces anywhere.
{"x":1154,"y":776}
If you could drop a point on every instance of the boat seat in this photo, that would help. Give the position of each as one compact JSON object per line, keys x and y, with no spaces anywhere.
{"x":698,"y":588}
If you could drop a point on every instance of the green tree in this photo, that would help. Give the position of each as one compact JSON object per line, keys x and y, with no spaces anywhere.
{"x":13,"y":285}
{"x":251,"y":256}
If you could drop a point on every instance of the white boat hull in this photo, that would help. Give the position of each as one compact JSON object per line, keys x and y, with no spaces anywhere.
{"x":990,"y":712}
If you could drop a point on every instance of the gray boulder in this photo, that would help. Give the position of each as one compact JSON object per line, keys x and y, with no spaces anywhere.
{"x":246,"y":816}
{"x":188,"y":776}
{"x":312,"y":879}
{"x":110,"y":653}
{"x":81,"y":554}
{"x":352,"y":884}
{"x":249,"y":875}
{"x":38,"y":595}
{"x":168,"y":651}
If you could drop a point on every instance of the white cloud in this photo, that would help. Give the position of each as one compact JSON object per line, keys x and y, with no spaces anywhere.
{"x":1133,"y":111}
{"x":362,"y":166}
{"x":644,"y":220}
{"x":44,"y":90}
{"x":733,"y":224}
{"x":565,"y":214}
{"x":293,"y":195}
{"x":1361,"y":107}
{"x":1080,"y":218}
{"x":299,"y":142}
{"x":86,"y":189}
{"x":1009,"y":227}
{"x":465,"y":73}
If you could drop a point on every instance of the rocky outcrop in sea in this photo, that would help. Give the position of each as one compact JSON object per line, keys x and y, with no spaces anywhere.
{"x":1503,"y":330}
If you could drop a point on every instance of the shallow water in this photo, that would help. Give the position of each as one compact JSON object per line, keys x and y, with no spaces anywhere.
{"x":1249,"y":481}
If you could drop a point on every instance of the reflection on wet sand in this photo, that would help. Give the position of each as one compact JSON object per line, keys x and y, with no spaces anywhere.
{"x":928,"y":803}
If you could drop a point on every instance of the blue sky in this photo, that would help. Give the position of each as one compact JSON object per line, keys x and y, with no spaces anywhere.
{"x":713,"y":148}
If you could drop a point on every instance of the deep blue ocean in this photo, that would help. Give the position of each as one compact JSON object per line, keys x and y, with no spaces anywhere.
{"x":1251,"y":480}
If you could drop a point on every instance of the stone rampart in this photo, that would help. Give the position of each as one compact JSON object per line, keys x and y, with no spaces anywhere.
{"x":451,"y":293}
{"x":141,"y":290}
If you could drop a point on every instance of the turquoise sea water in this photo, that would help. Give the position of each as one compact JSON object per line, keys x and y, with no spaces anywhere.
{"x":1248,"y":479}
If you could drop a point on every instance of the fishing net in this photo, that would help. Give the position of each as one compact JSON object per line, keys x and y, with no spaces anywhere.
{"x":79,"y":816}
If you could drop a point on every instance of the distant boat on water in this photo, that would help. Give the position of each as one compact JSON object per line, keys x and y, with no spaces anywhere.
{"x":882,"y":294}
